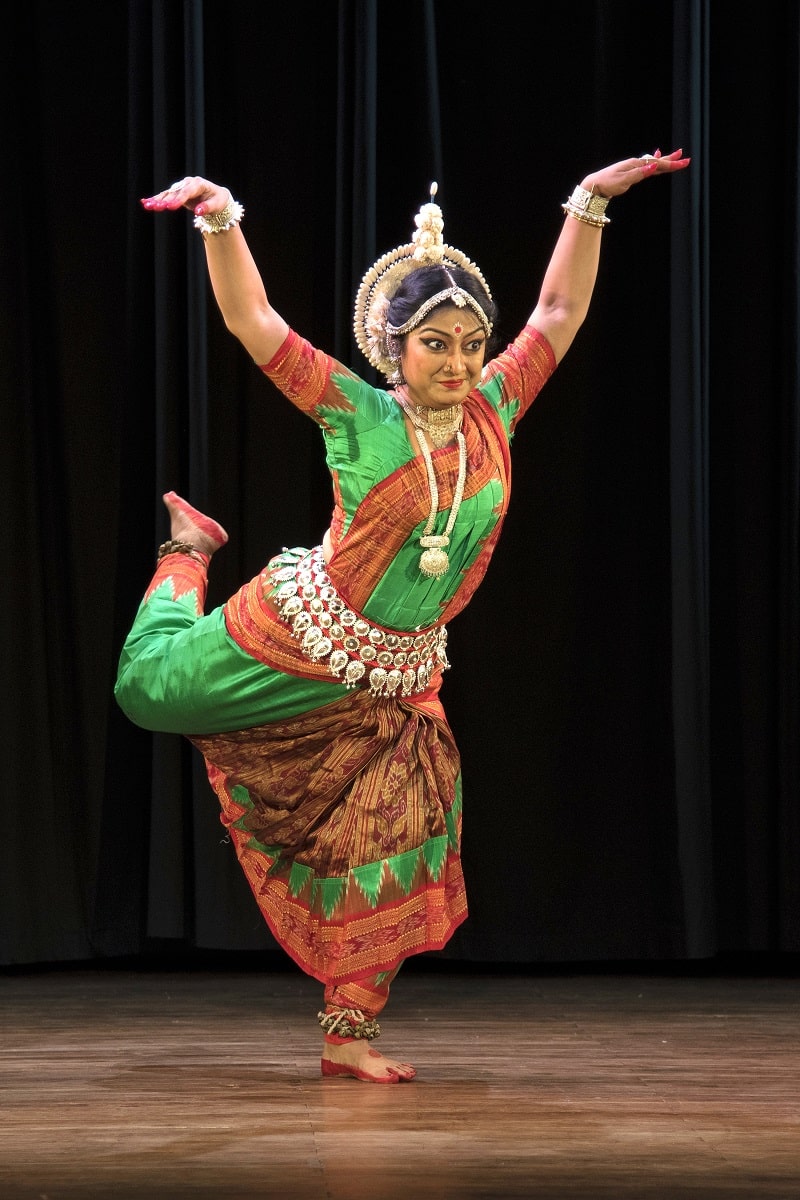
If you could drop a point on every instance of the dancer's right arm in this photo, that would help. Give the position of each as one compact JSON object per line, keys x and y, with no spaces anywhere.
{"x":237,"y":284}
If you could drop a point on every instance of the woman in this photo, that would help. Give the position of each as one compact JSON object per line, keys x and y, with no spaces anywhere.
{"x":313,"y":693}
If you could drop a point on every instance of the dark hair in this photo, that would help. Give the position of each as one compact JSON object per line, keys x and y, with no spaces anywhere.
{"x":418,"y":286}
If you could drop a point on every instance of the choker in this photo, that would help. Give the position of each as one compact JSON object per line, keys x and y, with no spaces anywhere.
{"x":439,"y":424}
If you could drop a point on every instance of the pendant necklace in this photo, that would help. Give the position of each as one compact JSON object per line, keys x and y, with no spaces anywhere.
{"x":434,"y":561}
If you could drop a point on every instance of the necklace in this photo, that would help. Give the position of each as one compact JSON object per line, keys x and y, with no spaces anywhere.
{"x":441,"y":424}
{"x":433,"y":560}
{"x":438,"y":423}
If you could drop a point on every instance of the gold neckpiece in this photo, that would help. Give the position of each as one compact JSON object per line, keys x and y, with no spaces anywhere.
{"x":434,"y":561}
{"x":440,"y":424}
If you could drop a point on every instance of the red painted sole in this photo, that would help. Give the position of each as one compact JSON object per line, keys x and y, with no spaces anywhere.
{"x":333,"y":1068}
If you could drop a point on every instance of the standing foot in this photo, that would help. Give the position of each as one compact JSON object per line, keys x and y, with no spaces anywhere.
{"x":357,"y":1059}
{"x":187,"y":524}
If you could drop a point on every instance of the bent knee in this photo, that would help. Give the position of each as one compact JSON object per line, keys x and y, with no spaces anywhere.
{"x":147,"y":703}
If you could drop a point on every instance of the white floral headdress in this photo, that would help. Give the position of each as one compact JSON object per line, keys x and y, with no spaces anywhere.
{"x":384,"y":277}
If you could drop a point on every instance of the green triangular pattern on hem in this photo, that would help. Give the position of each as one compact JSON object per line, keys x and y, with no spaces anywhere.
{"x":435,"y":853}
{"x":331,"y":890}
{"x":404,"y":867}
{"x":167,"y":589}
{"x":369,"y":877}
{"x":401,"y":867}
{"x":299,"y":877}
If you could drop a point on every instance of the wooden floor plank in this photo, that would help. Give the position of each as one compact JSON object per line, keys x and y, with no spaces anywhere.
{"x":585,"y":1087}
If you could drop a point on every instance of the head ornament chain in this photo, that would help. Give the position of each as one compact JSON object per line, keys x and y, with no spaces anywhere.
{"x":426,"y":248}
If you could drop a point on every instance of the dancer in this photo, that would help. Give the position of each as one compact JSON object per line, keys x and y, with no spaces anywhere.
{"x":313,"y":693}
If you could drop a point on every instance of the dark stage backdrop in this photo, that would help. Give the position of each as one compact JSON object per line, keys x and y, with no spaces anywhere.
{"x":625,"y":685}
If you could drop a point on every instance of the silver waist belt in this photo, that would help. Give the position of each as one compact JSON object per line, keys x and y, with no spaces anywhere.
{"x":356,"y":652}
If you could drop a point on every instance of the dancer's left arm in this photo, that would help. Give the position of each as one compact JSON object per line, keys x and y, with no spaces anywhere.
{"x":570,"y":277}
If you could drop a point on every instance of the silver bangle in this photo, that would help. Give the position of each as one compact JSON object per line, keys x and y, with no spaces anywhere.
{"x":218,"y":222}
{"x":589,"y":207}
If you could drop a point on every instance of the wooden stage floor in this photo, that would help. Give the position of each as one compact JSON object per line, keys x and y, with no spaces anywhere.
{"x":129,"y":1084}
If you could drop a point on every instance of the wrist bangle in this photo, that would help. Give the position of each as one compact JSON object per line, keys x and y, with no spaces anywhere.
{"x":589,"y":207}
{"x":218,"y":222}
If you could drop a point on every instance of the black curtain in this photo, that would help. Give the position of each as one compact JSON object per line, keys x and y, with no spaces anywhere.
{"x":625,"y":684}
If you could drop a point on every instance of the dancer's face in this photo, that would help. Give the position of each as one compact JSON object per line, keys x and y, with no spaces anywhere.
{"x":442,"y":358}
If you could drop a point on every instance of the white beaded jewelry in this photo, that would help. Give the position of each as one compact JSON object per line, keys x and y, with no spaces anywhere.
{"x":219,"y":222}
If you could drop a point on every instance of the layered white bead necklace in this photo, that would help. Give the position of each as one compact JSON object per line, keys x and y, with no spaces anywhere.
{"x":440,"y":425}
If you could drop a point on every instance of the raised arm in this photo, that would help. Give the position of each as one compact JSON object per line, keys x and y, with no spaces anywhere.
{"x":235,"y":279}
{"x":569,"y":280}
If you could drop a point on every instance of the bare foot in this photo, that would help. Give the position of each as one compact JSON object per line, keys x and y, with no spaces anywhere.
{"x":189,"y":525}
{"x":360,"y":1060}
